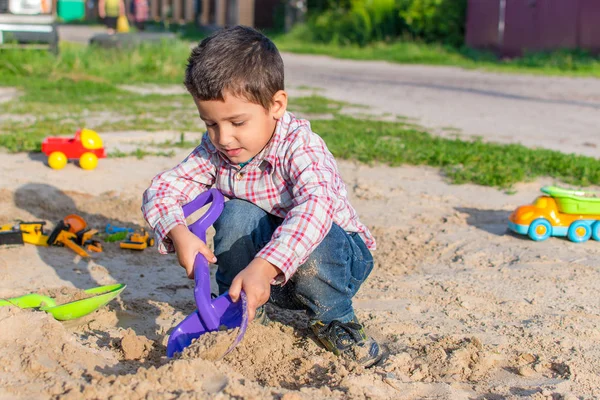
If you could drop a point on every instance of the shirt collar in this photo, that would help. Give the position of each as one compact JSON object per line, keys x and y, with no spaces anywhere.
{"x":269,"y":153}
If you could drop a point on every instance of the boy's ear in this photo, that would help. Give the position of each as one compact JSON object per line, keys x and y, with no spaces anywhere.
{"x":279,"y":104}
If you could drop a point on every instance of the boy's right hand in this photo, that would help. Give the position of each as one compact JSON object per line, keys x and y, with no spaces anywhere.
{"x":187,"y":246}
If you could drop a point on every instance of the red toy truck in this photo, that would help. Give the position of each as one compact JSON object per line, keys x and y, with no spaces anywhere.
{"x":86,"y":146}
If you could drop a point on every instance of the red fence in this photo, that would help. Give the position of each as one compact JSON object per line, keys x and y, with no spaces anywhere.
{"x":510,"y":27}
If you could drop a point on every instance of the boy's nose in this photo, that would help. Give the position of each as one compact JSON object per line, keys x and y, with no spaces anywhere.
{"x":225,"y":137}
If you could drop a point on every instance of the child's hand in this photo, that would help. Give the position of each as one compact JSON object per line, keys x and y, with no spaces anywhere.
{"x":187,"y":246}
{"x":255,"y":279}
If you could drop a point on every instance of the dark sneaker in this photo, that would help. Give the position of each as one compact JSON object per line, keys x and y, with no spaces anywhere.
{"x":261,"y":316}
{"x":350,"y":339}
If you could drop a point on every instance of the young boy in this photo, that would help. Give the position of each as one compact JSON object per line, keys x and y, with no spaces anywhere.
{"x":288,"y":234}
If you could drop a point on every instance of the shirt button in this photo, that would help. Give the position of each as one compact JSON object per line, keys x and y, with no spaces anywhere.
{"x":239,"y":176}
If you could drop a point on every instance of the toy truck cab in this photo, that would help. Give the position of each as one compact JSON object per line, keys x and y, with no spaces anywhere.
{"x":86,"y":146}
{"x":544,"y":218}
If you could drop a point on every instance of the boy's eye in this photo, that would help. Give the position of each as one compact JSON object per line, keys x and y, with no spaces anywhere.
{"x":210,"y":125}
{"x":238,"y":123}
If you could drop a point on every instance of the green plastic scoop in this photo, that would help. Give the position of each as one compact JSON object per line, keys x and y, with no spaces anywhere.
{"x":67,"y":311}
{"x":574,"y":201}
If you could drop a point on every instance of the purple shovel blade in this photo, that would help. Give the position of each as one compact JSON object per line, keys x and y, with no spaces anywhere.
{"x":243,"y":325}
{"x":192,"y":327}
{"x":211,"y":315}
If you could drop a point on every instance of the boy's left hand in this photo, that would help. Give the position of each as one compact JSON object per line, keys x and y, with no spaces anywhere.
{"x":255,"y":279}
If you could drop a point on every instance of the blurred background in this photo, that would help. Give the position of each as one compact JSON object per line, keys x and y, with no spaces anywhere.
{"x":504,"y":28}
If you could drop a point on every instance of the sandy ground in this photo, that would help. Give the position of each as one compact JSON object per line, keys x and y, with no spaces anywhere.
{"x":466,"y":310}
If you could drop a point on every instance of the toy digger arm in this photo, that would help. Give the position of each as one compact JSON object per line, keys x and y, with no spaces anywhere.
{"x":64,"y":237}
{"x":61,"y":234}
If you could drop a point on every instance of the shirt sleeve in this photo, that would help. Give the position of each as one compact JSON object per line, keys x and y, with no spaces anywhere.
{"x":311,"y":170}
{"x":171,"y":189}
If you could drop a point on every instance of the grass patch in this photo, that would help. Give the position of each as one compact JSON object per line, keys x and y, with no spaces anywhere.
{"x":318,"y":105}
{"x":19,"y":136}
{"x":180,"y":144}
{"x":462,"y":161}
{"x":408,"y":51}
{"x":159,"y":63}
{"x":63,"y":94}
{"x":140,"y":153}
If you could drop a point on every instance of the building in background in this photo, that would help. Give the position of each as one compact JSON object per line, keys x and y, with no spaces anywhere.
{"x":256,"y":13}
{"x":511,"y":27}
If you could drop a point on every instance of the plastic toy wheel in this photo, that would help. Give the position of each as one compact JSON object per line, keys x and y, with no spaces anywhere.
{"x":150,"y":242}
{"x":88,"y":161}
{"x":57,"y":160}
{"x":540,"y":229}
{"x":579,"y":232}
{"x":596,"y":231}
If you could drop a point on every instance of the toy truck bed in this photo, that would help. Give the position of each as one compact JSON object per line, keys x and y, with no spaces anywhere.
{"x":574,"y":201}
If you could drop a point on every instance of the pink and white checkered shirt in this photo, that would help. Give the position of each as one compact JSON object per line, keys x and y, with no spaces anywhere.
{"x":294,"y":177}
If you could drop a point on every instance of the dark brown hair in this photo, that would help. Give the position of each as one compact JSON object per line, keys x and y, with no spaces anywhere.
{"x":240,"y":60}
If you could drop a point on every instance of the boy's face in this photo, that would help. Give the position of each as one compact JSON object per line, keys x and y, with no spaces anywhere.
{"x":238,"y":128}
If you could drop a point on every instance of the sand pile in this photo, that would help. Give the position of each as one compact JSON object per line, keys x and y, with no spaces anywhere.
{"x":465,"y":309}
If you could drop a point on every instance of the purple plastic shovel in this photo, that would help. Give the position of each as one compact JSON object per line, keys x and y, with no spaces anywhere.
{"x":212,"y":314}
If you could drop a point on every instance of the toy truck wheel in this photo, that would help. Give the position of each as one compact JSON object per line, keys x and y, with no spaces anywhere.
{"x":579,"y":232}
{"x":540,"y":229}
{"x":57,"y":160}
{"x":596,"y":231}
{"x":88,"y":161}
{"x":150,"y":242}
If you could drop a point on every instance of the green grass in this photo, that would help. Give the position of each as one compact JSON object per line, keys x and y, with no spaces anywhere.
{"x":180,"y":144}
{"x":157,"y":63}
{"x":60,"y":95}
{"x":63,"y":92}
{"x":408,"y":51}
{"x":461,"y":161}
{"x":140,"y":153}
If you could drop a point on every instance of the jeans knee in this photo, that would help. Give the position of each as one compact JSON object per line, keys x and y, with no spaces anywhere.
{"x":326,"y":270}
{"x":240,"y":214}
{"x":334,"y":271}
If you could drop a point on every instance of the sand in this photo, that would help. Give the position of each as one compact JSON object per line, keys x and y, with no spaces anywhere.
{"x":466,"y":309}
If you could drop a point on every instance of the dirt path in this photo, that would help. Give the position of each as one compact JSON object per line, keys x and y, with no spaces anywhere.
{"x":557,"y":113}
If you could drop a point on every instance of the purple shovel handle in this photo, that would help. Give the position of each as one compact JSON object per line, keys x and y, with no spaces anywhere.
{"x":201,"y":270}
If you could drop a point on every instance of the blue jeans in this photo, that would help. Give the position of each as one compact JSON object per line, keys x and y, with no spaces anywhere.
{"x":323,"y":286}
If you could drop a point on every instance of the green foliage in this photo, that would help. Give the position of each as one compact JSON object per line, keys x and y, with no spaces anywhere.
{"x":435,"y":20}
{"x":364,"y":21}
{"x":356,"y":21}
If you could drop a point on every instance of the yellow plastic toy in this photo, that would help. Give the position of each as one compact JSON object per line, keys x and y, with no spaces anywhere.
{"x":546,"y":217}
{"x":86,"y":146}
{"x":138,"y":241}
{"x":30,"y":232}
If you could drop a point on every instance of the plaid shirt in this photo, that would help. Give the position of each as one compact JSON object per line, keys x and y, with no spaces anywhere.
{"x":294,"y":177}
